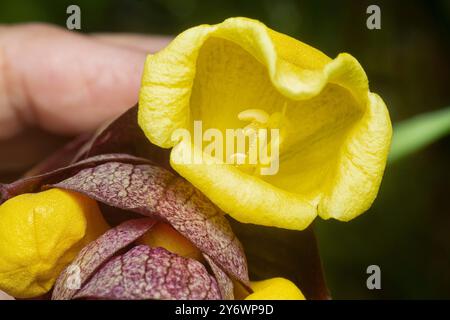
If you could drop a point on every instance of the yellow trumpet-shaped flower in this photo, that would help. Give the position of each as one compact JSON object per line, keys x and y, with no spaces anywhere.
{"x":329,"y":135}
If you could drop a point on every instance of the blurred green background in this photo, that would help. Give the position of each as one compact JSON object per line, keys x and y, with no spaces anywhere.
{"x":407,"y":231}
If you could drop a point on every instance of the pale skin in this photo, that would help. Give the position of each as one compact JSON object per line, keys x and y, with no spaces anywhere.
{"x":66,"y":82}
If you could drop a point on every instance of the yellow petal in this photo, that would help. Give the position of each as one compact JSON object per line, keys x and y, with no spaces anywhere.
{"x":245,"y":197}
{"x":336,"y":133}
{"x":275,"y":289}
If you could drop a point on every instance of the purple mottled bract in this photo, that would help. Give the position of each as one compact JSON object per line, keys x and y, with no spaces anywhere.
{"x":156,"y":192}
{"x":151,"y":273}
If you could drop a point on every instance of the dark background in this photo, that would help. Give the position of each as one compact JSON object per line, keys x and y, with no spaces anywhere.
{"x":407,"y":231}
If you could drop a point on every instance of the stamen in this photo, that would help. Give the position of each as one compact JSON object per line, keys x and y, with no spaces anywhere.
{"x":283,"y":112}
{"x":260,"y":145}
{"x":254,"y":115}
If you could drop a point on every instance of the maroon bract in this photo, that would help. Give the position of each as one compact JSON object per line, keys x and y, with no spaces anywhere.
{"x":291,"y":254}
{"x":34,"y":183}
{"x":151,"y":273}
{"x":123,"y":135}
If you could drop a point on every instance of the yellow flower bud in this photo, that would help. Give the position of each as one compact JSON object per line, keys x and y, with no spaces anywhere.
{"x":165,"y":236}
{"x":275,"y":289}
{"x":40,"y":234}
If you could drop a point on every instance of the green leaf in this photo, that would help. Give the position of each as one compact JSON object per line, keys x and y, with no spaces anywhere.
{"x":415,"y":133}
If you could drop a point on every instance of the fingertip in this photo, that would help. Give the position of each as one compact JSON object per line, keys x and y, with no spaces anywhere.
{"x":64,"y":81}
